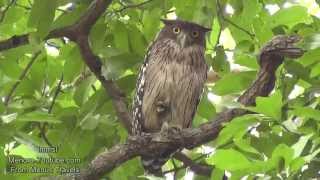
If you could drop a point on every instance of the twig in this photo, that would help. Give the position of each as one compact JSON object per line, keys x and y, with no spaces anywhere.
{"x":21,"y":77}
{"x":133,"y":6}
{"x":29,"y":8}
{"x":43,"y":127}
{"x":175,"y":169}
{"x":221,"y":15}
{"x":56,"y":93}
{"x":43,"y":135}
{"x":3,"y":13}
{"x":201,"y":169}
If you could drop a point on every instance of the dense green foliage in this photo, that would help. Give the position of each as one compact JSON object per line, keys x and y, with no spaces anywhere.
{"x":54,"y":93}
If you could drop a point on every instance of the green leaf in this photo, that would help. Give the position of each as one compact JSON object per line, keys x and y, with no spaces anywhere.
{"x":31,"y":141}
{"x":69,"y":18}
{"x":115,"y":66}
{"x":42,"y":15}
{"x":262,"y":29}
{"x":269,"y":106}
{"x":217,"y":174}
{"x":247,"y":60}
{"x":282,"y":152}
{"x":230,"y":160}
{"x":307,"y":112}
{"x":2,"y":158}
{"x":310,"y":57}
{"x":220,"y":63}
{"x":121,"y":37}
{"x":24,"y":151}
{"x":38,"y":116}
{"x":10,"y":68}
{"x":297,"y":164}
{"x":244,"y":145}
{"x":151,"y":22}
{"x":129,"y":169}
{"x":73,"y":65}
{"x":298,"y":69}
{"x":214,"y":35}
{"x":97,"y":36}
{"x":311,"y":156}
{"x":7,"y":118}
{"x":37,"y":73}
{"x":137,"y":41}
{"x":290,"y":16}
{"x":315,"y":72}
{"x":90,"y":121}
{"x":206,"y":109}
{"x":235,"y":129}
{"x":76,"y":141}
{"x":234,"y":83}
{"x":81,"y":93}
{"x":311,"y":42}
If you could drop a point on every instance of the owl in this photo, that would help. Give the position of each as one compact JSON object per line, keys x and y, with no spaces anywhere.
{"x":170,"y":83}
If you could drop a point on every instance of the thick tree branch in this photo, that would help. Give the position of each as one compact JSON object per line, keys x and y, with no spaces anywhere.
{"x":271,"y":56}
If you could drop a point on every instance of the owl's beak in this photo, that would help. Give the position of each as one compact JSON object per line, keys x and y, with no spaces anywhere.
{"x":184,"y":40}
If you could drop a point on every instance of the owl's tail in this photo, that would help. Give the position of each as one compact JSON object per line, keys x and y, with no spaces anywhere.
{"x":153,"y":165}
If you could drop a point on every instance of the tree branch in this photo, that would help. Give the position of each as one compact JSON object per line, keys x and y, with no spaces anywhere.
{"x":21,"y":77}
{"x":78,"y":33}
{"x":14,"y":41}
{"x":201,"y":169}
{"x":3,"y":13}
{"x":271,"y":56}
{"x":42,"y":126}
{"x":221,"y":15}
{"x":134,"y":5}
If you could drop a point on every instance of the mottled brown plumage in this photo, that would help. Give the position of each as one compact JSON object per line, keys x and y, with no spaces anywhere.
{"x":170,"y":82}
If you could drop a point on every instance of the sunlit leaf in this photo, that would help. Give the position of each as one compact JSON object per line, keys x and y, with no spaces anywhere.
{"x":270,"y":106}
{"x":230,"y":160}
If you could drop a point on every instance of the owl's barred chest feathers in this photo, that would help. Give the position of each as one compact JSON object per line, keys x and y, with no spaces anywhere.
{"x":174,"y":81}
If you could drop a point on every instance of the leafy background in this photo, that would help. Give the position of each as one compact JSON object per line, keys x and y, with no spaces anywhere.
{"x":48,"y":95}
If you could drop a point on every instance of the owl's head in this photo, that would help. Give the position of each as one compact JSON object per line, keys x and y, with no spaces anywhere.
{"x":184,"y":33}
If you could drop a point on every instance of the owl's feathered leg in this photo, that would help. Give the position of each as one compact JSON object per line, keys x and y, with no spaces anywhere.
{"x":153,"y":164}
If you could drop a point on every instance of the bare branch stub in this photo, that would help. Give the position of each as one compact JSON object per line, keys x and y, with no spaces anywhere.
{"x":270,"y":58}
{"x":190,"y":138}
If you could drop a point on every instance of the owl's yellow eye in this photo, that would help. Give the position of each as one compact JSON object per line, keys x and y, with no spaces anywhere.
{"x":176,"y":30}
{"x":195,"y":34}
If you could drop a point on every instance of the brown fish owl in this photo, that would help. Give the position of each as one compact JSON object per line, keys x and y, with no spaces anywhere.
{"x":170,"y":83}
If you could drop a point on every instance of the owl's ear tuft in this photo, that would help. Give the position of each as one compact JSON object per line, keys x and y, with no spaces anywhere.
{"x":167,"y":21}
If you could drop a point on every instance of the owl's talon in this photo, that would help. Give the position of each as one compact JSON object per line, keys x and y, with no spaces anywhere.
{"x":170,"y":131}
